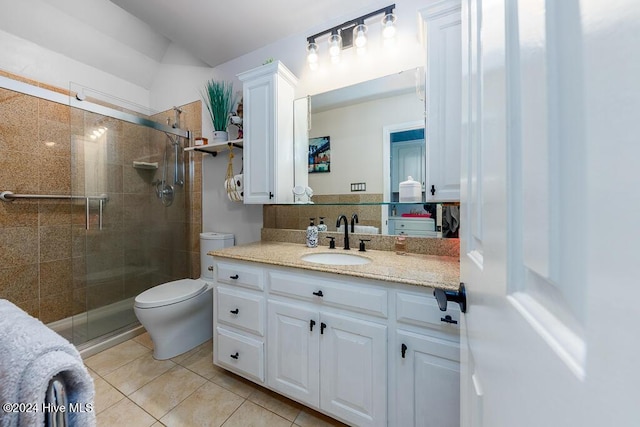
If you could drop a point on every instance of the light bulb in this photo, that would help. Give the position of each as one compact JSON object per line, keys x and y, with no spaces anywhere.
{"x":334,"y":46}
{"x":388,"y":24}
{"x":360,"y":35}
{"x":312,"y":54}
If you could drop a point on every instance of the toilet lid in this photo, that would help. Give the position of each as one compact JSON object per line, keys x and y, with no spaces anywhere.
{"x":170,"y":293}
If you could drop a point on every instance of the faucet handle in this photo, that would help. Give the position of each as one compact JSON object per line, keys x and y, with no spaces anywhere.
{"x":332,"y":242}
{"x":362,"y":248}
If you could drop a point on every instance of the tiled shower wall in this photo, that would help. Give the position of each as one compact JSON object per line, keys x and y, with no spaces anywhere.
{"x":52,"y":267}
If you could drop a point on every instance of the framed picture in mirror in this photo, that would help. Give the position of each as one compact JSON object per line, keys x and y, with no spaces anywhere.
{"x":319,"y":154}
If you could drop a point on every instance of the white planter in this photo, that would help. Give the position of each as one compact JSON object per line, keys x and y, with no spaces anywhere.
{"x":220,"y":136}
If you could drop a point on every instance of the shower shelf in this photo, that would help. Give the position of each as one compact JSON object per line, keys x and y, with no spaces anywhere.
{"x":214,"y":148}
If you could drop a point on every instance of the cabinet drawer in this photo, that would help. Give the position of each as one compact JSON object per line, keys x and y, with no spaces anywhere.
{"x":422,"y":310}
{"x":239,"y":274}
{"x":415,"y":224}
{"x":240,"y":354}
{"x":354,"y":297}
{"x":240,"y":309}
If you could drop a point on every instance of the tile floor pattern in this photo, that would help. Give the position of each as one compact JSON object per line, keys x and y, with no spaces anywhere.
{"x":135,"y":390}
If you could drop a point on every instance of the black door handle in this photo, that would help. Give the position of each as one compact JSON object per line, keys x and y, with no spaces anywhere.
{"x":311,"y":325}
{"x":236,"y":311}
{"x":318,"y":294}
{"x":459,"y":296}
{"x":234,"y":277}
{"x":403,"y":350}
{"x":322,"y":326}
{"x":234,"y":356}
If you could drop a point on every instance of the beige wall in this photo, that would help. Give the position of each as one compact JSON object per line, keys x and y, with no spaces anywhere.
{"x":50,"y":265}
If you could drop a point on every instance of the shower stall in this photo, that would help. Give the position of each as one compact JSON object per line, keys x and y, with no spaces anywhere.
{"x":123,"y":215}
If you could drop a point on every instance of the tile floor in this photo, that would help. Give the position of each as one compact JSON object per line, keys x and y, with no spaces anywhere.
{"x":135,"y":390}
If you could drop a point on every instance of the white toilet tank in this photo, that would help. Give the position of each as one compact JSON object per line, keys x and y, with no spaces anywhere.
{"x":211,"y":241}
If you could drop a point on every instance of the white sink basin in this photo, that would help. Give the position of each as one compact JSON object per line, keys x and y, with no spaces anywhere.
{"x":335,"y":259}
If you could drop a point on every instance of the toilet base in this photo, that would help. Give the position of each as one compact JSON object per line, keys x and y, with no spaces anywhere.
{"x":178,"y":328}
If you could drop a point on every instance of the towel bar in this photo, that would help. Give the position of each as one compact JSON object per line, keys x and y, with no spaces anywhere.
{"x":9,"y":196}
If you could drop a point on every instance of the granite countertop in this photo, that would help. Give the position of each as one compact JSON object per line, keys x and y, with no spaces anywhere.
{"x":413,"y":269}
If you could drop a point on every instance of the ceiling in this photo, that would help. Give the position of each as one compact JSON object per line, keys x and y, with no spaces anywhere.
{"x":131,"y":38}
{"x":216,"y":31}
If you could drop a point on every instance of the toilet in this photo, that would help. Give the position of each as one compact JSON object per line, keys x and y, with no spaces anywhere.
{"x":179,"y":315}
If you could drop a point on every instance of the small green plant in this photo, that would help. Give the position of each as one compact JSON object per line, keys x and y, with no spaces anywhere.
{"x":219,"y":99}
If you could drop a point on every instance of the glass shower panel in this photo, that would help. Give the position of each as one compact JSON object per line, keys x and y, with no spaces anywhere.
{"x":132,"y":242}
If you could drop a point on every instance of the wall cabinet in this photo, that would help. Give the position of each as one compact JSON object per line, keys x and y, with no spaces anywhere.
{"x":268,"y":163}
{"x":366,"y":352}
{"x":442,"y":38}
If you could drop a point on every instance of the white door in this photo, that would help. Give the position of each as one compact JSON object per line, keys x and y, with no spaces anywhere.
{"x":353,"y":369}
{"x":292,"y":351}
{"x":407,"y":159}
{"x":549,"y":252}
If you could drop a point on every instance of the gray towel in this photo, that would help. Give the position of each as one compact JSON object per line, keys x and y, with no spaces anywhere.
{"x":31,"y":354}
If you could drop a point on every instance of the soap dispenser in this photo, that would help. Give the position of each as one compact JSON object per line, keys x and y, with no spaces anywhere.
{"x":322,"y":226}
{"x":312,"y":235}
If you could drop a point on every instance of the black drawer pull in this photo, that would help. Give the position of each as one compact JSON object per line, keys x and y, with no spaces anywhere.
{"x":234,"y":277}
{"x":318,"y":294}
{"x":448,"y":319}
{"x":322,"y":327}
{"x":234,"y":356}
{"x":311,"y":325}
{"x":403,"y":350}
{"x":236,"y":311}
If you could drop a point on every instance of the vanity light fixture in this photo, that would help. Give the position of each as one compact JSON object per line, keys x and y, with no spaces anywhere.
{"x":348,"y":34}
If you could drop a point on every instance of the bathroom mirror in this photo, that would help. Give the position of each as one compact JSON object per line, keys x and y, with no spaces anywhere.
{"x":354,"y":119}
{"x":354,"y":173}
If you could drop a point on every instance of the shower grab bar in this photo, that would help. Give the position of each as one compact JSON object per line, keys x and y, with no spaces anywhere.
{"x":9,"y":196}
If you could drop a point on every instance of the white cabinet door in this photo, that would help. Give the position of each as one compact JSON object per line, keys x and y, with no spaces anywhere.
{"x":268,"y":158}
{"x":442,"y":24}
{"x":293,"y":351}
{"x":353,"y":368}
{"x":427,"y":381}
{"x":258,"y":134}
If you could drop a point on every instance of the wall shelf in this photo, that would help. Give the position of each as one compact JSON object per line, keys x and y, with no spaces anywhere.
{"x":214,"y":148}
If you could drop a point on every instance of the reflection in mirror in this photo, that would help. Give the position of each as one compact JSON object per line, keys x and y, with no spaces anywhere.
{"x":376,"y":134}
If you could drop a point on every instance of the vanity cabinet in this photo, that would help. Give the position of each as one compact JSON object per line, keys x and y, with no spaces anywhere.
{"x":323,"y":354}
{"x":367,"y":352}
{"x":268,"y":166}
{"x":442,"y":40}
{"x":239,"y":320}
{"x":426,"y":362}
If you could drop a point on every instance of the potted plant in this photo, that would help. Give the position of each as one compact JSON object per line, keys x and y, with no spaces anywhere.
{"x":219,"y":99}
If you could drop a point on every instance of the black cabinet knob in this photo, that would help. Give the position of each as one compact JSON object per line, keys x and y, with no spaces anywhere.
{"x":311,"y":325}
{"x":448,"y":319}
{"x":236,"y":311}
{"x":433,"y":190}
{"x":322,"y":328}
{"x":234,"y":356}
{"x":318,"y":294}
{"x":234,"y":277}
{"x":403,"y":350}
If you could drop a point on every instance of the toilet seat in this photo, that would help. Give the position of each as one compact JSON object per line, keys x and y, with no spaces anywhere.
{"x":170,"y":293}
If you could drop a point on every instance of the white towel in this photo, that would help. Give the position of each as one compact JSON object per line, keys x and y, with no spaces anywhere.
{"x":30,"y":355}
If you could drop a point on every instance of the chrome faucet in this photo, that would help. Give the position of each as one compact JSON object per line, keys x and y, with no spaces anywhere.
{"x":354,"y":217}
{"x":346,"y":230}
